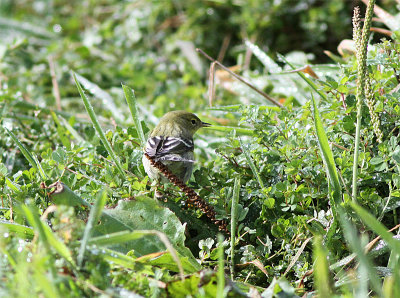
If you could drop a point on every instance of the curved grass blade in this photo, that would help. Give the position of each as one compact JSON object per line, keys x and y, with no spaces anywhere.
{"x":352,"y":238}
{"x":106,"y":98}
{"x":61,"y":131}
{"x":28,"y":155}
{"x":321,"y":269}
{"x":20,"y":230}
{"x":131,"y":100}
{"x":269,"y":64}
{"x":327,"y":157}
{"x":125,"y":236}
{"x":97,"y":127}
{"x":94,"y":216}
{"x":377,"y":227}
{"x":27,"y":28}
{"x":46,"y":234}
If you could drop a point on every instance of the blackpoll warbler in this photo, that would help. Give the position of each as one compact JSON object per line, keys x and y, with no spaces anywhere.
{"x":171,"y":142}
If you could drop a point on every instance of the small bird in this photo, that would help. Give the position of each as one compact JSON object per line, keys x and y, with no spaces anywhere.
{"x":171,"y":142}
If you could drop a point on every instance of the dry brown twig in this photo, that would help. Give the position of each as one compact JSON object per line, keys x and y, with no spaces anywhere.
{"x":243,"y":80}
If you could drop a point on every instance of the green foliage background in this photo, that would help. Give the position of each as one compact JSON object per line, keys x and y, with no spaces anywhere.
{"x":284,"y":191}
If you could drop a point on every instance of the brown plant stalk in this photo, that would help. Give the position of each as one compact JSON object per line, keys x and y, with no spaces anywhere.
{"x":193,"y":198}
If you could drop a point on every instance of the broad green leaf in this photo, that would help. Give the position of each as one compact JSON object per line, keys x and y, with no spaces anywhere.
{"x":143,"y":213}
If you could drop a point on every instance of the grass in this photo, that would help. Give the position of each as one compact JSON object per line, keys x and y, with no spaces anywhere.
{"x":78,"y":215}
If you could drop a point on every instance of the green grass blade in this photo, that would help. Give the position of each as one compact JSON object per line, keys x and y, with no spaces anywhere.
{"x":9,"y":256}
{"x":234,"y":205}
{"x":125,"y":236}
{"x":46,"y":235}
{"x":20,"y":230}
{"x":377,"y":227}
{"x":321,"y":269}
{"x":307,"y":80}
{"x":13,"y":186}
{"x":41,"y":280}
{"x":27,"y":28}
{"x":61,"y":131}
{"x":72,"y":130}
{"x":94,"y":216}
{"x":117,"y":258}
{"x":327,"y":157}
{"x":22,"y":148}
{"x":115,"y":238}
{"x":251,"y":163}
{"x":102,"y":95}
{"x":131,"y":100}
{"x":97,"y":127}
{"x":39,"y":167}
{"x":353,"y":240}
{"x":221,"y":271}
{"x":269,"y":64}
{"x":28,"y":155}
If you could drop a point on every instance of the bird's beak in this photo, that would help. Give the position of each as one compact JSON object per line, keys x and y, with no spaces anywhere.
{"x":204,"y":124}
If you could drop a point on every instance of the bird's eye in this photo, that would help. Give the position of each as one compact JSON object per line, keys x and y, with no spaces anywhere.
{"x":194,"y":122}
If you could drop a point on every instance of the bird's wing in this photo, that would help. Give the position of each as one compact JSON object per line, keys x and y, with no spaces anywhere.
{"x":169,"y":148}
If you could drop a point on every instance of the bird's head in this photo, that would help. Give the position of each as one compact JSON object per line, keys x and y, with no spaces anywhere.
{"x":179,"y":124}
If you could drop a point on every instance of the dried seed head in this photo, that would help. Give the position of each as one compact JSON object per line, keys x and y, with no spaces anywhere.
{"x":193,"y":197}
{"x":357,"y":26}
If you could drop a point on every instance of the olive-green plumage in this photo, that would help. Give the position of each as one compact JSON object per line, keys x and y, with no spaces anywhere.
{"x":171,"y":142}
